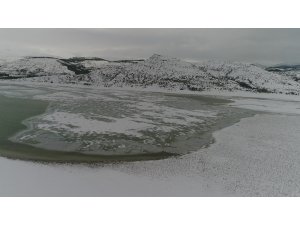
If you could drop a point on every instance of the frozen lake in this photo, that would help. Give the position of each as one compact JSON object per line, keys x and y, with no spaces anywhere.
{"x":102,"y":125}
{"x":257,"y":156}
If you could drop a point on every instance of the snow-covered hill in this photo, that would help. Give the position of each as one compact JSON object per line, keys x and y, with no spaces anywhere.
{"x":290,"y":70}
{"x":31,"y":67}
{"x":156,"y":71}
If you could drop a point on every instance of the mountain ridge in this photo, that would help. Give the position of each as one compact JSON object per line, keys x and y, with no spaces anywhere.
{"x":157,"y":71}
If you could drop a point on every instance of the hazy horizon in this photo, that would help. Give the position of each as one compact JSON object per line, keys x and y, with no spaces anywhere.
{"x":263,"y":46}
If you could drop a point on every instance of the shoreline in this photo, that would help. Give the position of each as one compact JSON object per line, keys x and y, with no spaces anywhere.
{"x":256,"y":156}
{"x":225,"y":168}
{"x":56,"y":156}
{"x":235,"y":100}
{"x":212,"y":92}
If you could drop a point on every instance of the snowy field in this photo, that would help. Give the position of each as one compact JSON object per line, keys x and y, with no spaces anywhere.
{"x":259,"y":156}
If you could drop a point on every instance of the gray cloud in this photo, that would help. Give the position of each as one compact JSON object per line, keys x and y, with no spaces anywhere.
{"x":267,"y":46}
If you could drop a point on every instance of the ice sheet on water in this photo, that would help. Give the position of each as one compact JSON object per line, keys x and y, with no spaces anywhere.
{"x":77,"y":123}
{"x":114,"y":122}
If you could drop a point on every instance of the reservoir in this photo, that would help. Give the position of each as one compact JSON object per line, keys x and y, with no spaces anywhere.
{"x":80,"y":125}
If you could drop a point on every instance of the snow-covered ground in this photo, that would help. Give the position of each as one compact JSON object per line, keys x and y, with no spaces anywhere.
{"x":258,"y":156}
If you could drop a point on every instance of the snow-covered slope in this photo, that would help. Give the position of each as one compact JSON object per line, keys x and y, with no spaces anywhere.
{"x":157,"y":71}
{"x":290,"y":70}
{"x":31,"y":67}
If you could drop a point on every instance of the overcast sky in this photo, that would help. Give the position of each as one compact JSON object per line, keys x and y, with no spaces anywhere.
{"x":266,"y":46}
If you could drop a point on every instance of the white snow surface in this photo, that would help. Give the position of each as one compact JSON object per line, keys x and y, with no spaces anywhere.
{"x":258,"y":156}
{"x":78,"y":124}
{"x":37,"y":66}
